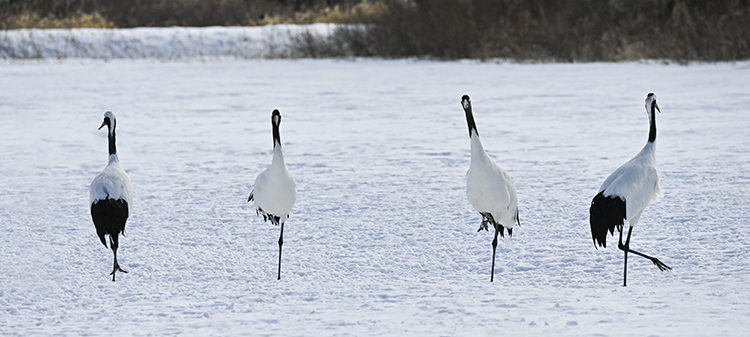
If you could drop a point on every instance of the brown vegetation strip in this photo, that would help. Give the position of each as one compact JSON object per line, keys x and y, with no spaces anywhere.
{"x":530,"y":30}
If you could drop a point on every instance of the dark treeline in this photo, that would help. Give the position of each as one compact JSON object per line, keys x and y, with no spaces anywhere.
{"x":550,"y":30}
{"x":534,"y":30}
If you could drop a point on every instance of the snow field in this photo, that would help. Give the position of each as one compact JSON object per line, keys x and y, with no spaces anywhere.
{"x":169,"y":43}
{"x":382,"y":240}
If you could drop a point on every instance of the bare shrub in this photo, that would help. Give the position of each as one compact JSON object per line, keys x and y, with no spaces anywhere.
{"x":535,"y":30}
{"x":363,"y":12}
{"x":555,"y":30}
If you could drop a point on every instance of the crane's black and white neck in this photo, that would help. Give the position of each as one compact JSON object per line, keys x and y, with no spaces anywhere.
{"x":651,"y":108}
{"x":466,"y":104}
{"x":489,"y":188}
{"x":275,"y":190}
{"x":275,"y":123}
{"x":625,"y":193}
{"x":111,"y":196}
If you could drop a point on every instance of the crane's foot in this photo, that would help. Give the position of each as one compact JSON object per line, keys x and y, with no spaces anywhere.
{"x":660,"y":264}
{"x":117,"y":268}
{"x":486,"y":220}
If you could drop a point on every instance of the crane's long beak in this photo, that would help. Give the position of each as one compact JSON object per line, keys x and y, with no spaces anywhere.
{"x":105,"y":123}
{"x":657,"y":107}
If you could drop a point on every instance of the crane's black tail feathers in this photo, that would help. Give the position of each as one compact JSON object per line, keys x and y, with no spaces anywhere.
{"x":275,"y":219}
{"x":109,"y":217}
{"x":518,"y":220}
{"x":607,"y":213}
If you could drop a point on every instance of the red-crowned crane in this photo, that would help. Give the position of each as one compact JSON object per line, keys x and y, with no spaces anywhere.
{"x":111,"y":196}
{"x":275,"y":191}
{"x":625,"y":194}
{"x":490,"y":190}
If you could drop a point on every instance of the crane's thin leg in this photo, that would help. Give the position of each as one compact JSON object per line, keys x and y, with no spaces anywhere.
{"x":656,"y":261}
{"x":113,"y":243}
{"x":494,"y":248}
{"x":626,"y":247}
{"x":281,"y":242}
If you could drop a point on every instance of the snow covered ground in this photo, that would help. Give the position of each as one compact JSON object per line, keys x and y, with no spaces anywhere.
{"x":170,"y":43}
{"x":382,"y":240}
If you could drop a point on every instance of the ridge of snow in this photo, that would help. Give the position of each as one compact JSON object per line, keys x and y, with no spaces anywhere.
{"x":168,"y":43}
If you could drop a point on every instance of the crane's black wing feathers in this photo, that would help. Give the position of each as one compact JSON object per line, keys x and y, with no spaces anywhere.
{"x":109,"y":217}
{"x":607,"y":213}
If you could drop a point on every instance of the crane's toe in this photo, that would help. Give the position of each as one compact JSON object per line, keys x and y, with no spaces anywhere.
{"x":661,"y":265}
{"x":117,"y":268}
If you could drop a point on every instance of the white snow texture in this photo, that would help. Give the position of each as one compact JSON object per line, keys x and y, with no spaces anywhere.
{"x":382,"y":240}
{"x":169,"y":43}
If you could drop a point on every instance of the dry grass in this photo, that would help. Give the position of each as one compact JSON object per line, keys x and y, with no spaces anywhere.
{"x":550,"y":30}
{"x":363,"y":12}
{"x":196,"y":13}
{"x":33,"y":20}
{"x":529,"y":30}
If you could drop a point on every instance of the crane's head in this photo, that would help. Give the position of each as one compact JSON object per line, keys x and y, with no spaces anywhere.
{"x":651,"y":103}
{"x":109,"y":121}
{"x":275,"y":117}
{"x":466,"y":102}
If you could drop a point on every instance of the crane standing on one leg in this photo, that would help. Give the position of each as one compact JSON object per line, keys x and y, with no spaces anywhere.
{"x":275,"y":191}
{"x":490,"y":190}
{"x":625,"y":194}
{"x":111,"y":196}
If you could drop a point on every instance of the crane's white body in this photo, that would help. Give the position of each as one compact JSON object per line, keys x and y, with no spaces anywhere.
{"x":489,"y":188}
{"x":275,"y":190}
{"x":625,"y":194}
{"x":111,"y":196}
{"x":636,"y":182}
{"x":113,"y":183}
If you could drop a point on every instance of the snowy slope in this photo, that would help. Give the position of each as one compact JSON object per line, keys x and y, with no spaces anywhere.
{"x":382,"y":240}
{"x":170,"y":43}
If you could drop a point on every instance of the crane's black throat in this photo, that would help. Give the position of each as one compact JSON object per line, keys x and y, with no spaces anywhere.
{"x":110,"y":133}
{"x":112,"y":146}
{"x":275,"y":122}
{"x":469,"y":115}
{"x":652,"y":122}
